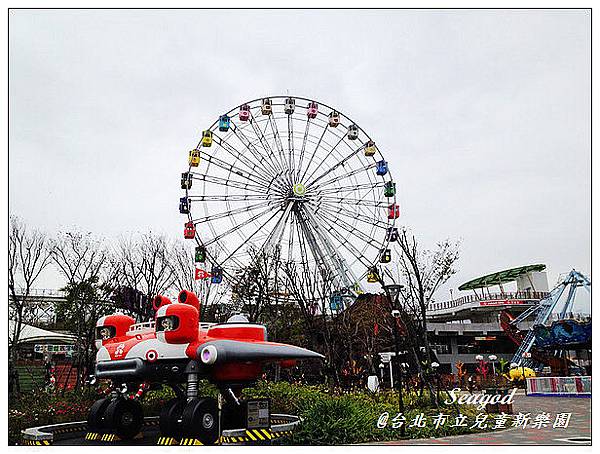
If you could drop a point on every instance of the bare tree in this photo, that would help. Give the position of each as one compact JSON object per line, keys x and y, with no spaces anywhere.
{"x":28,"y":256}
{"x":258,"y":289}
{"x":421,"y":272}
{"x":82,"y":260}
{"x":143,"y":263}
{"x":78,"y":256}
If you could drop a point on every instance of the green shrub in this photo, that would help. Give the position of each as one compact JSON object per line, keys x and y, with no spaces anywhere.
{"x":329,"y":416}
{"x":333,"y":417}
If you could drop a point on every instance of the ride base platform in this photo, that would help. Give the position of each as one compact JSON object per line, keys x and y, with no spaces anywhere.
{"x":76,"y":434}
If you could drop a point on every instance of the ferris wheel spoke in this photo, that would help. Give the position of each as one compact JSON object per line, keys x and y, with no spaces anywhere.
{"x":303,"y":149}
{"x":313,"y":153}
{"x":318,"y":255}
{"x":353,"y":188}
{"x":249,"y":237}
{"x":233,"y":212}
{"x":275,"y":231}
{"x":226,"y":182}
{"x":333,"y":208}
{"x":290,"y":129}
{"x":335,"y":220}
{"x":277,"y":138}
{"x":335,"y":166}
{"x":343,"y":176}
{"x":304,"y":177}
{"x":291,"y":239}
{"x":305,"y":286}
{"x":237,"y":227}
{"x":263,"y":141}
{"x":231,"y":198}
{"x":260,"y":181}
{"x":257,"y":170}
{"x":261,"y":158}
{"x":350,"y":201}
{"x":344,"y":271}
{"x":349,"y":245}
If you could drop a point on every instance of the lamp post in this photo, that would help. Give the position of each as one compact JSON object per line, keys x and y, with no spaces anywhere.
{"x":393,"y":293}
{"x":434,"y":367}
{"x":493,"y":359}
{"x":381,"y":366}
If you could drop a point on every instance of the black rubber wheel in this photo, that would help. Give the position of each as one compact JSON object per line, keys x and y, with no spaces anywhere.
{"x":200,"y":420}
{"x":94,"y":419}
{"x":124,"y":417}
{"x":170,"y":418}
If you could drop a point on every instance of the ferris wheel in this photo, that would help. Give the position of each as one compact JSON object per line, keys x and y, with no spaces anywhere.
{"x":294,"y":176}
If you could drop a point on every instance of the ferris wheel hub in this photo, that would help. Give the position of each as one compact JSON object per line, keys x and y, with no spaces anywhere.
{"x":299,"y":190}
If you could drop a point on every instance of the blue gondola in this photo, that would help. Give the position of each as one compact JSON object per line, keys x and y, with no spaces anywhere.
{"x":224,"y":123}
{"x":184,"y":205}
{"x":216,"y":275}
{"x":382,"y":167}
{"x":335,"y":302}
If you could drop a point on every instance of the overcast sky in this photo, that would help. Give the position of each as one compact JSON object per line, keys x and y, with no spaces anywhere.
{"x":484,"y":116}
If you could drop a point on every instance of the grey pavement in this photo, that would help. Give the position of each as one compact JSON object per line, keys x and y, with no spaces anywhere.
{"x":578,"y":432}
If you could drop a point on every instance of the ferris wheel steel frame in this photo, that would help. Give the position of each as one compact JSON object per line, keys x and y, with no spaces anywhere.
{"x":261,"y":161}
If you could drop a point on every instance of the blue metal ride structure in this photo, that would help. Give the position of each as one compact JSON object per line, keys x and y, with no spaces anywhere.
{"x":544,"y":310}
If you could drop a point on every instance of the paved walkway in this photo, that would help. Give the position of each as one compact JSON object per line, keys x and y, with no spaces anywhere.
{"x":580,"y":426}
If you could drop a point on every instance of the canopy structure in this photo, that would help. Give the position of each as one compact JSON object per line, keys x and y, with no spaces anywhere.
{"x":31,"y":334}
{"x":500,"y":277}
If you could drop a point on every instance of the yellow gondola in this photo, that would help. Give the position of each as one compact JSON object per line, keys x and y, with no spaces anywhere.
{"x":194,"y":158}
{"x":207,"y":138}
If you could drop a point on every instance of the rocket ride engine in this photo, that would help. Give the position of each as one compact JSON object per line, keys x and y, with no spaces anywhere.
{"x":178,"y":350}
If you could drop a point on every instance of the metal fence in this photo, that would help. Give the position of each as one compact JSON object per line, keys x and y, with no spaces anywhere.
{"x":559,"y":386}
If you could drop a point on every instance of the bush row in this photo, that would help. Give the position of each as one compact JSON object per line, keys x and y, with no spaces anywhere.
{"x":329,"y":417}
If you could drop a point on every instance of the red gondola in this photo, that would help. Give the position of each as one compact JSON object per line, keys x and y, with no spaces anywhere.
{"x":189,"y":232}
{"x":393,"y":211}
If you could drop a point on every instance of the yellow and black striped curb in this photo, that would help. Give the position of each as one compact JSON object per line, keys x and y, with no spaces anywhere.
{"x":190,"y":442}
{"x":256,"y":435}
{"x":109,"y":437}
{"x":259,"y":434}
{"x":167,"y":441}
{"x":92,"y":436}
{"x":37,"y":442}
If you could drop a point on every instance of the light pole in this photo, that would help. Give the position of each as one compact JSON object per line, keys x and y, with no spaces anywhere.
{"x":434,"y":367}
{"x":393,"y":293}
{"x":493,"y":359}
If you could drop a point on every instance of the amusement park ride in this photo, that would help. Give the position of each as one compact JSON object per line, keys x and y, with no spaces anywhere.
{"x":178,"y":349}
{"x":546,"y":342}
{"x":295,"y":177}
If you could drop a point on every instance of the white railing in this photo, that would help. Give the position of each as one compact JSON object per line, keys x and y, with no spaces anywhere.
{"x":506,"y":296}
{"x":140,"y":328}
{"x":147,"y":327}
{"x":559,"y":386}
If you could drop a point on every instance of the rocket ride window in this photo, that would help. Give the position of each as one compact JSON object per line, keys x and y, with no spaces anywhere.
{"x":105,"y":332}
{"x":169,"y":323}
